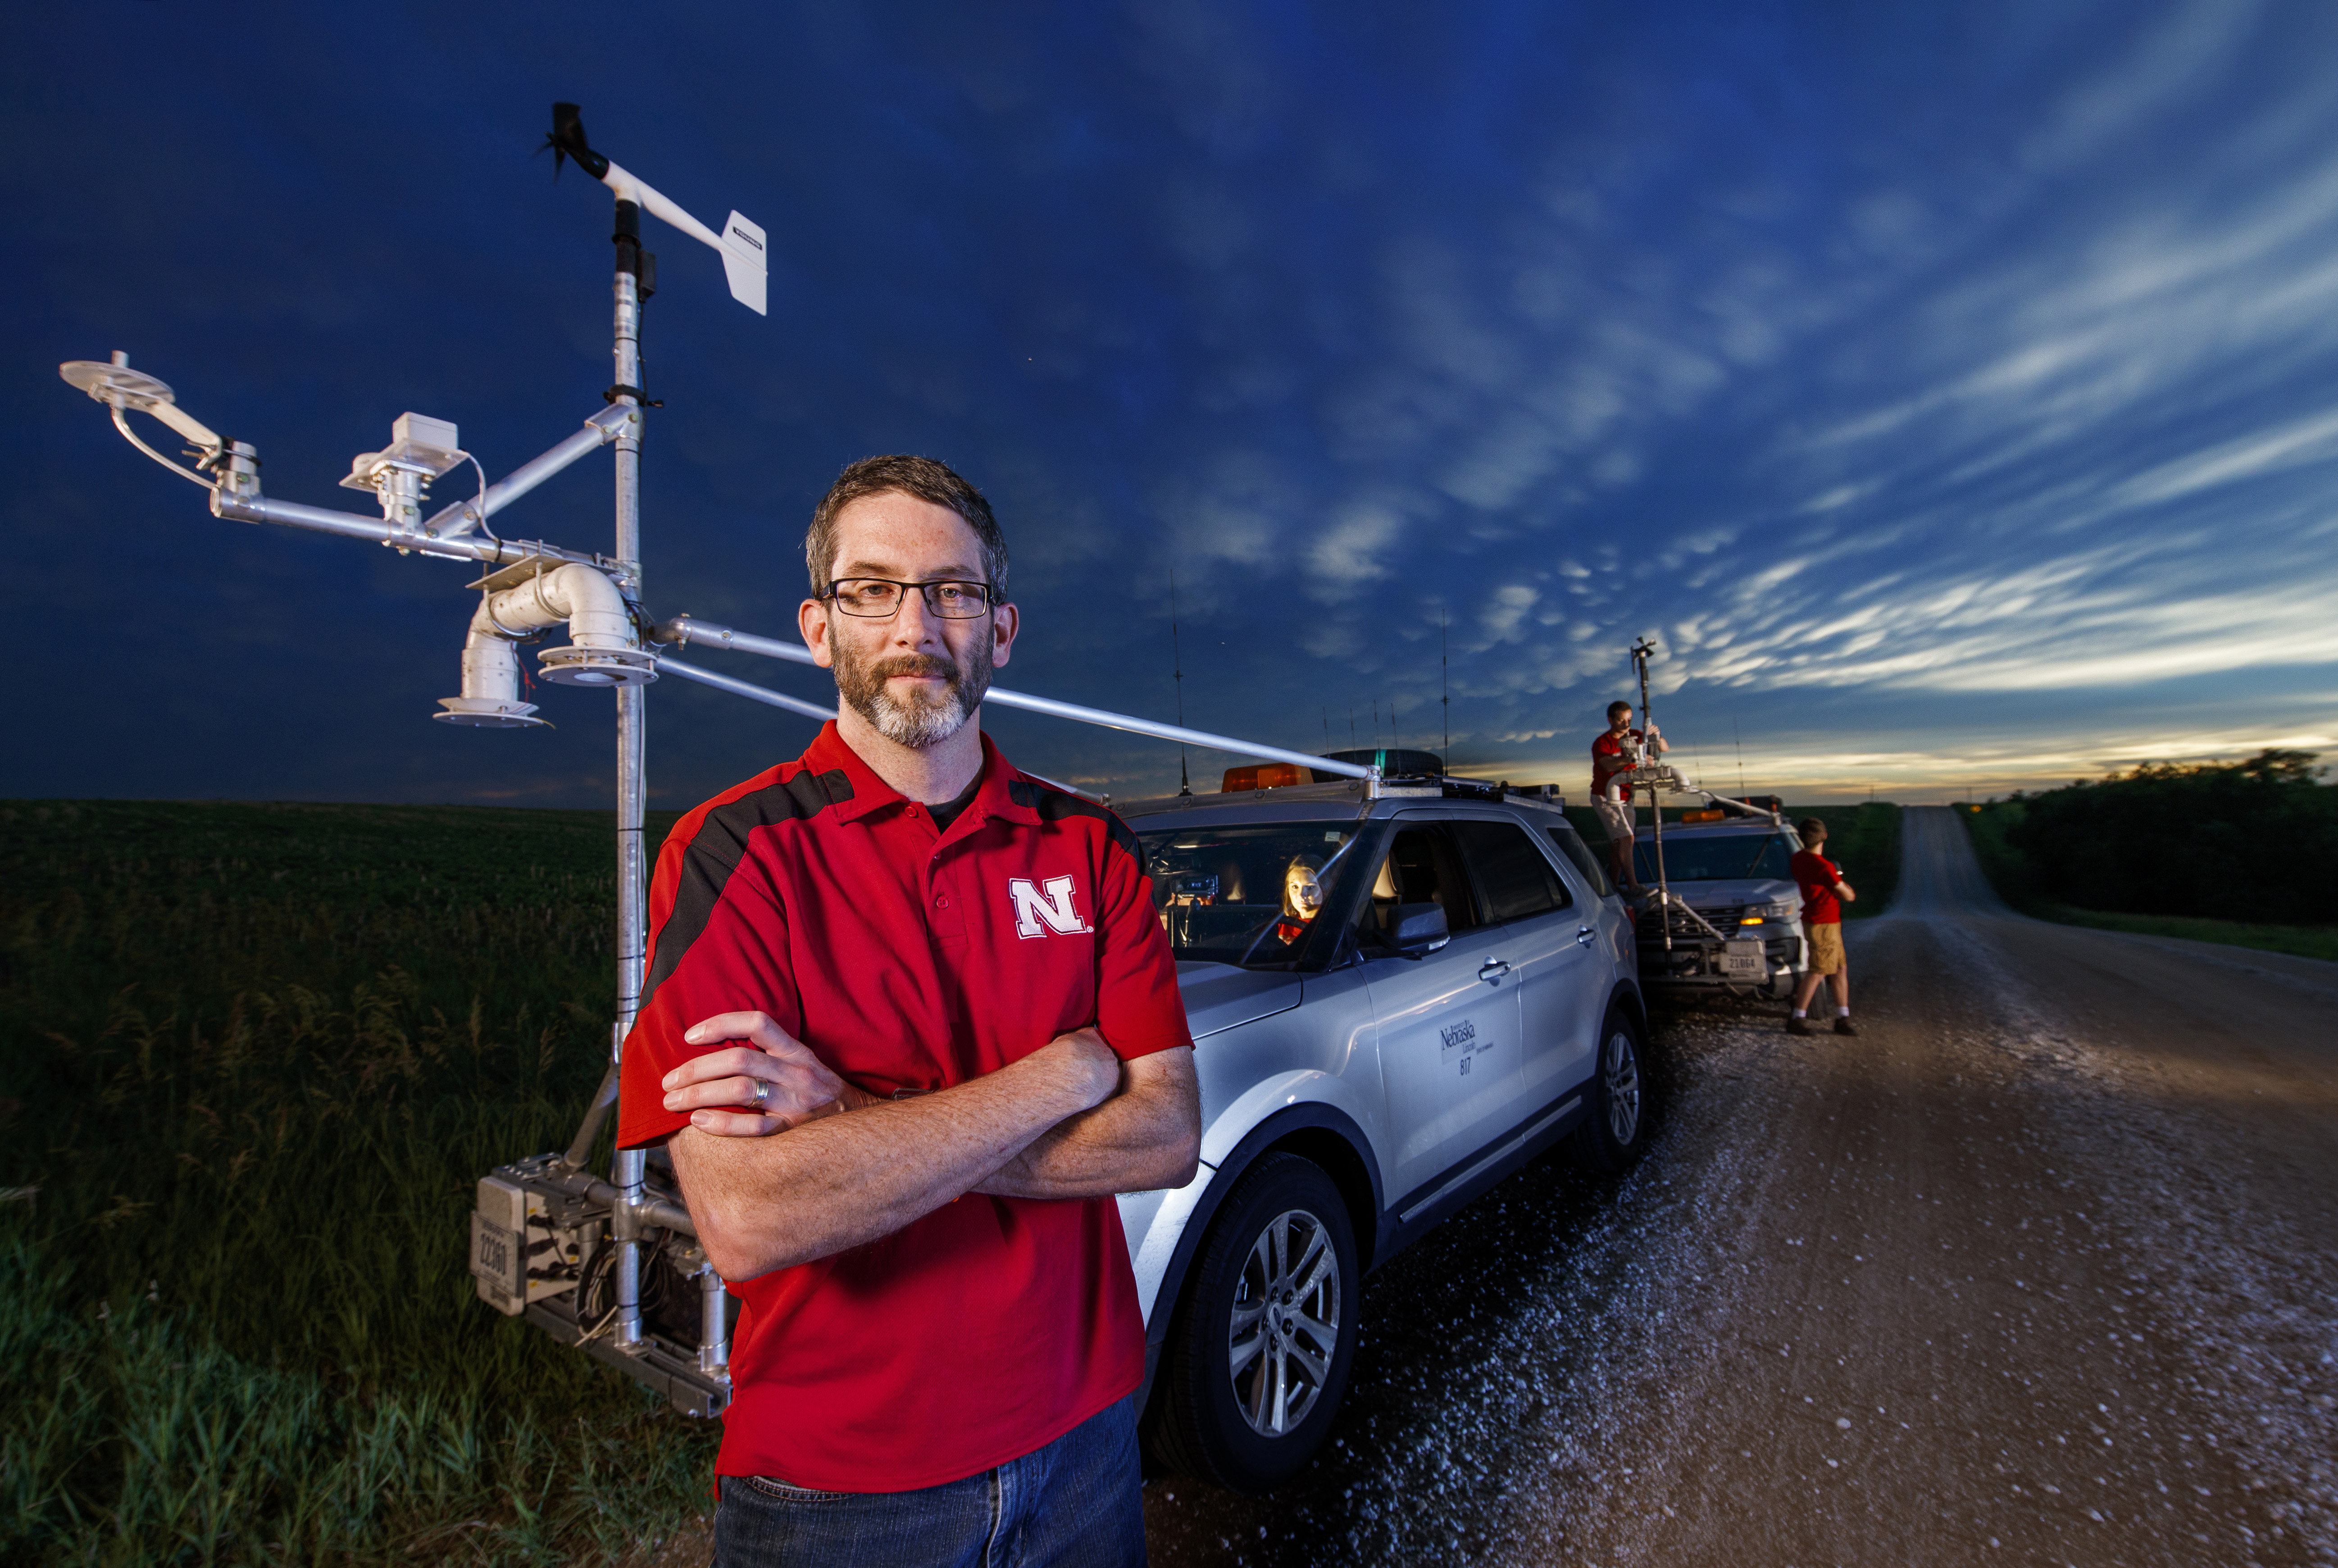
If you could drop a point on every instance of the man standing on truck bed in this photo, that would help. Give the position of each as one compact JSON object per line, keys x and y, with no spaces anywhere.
{"x":1611,"y":753}
{"x":909,"y":1024}
{"x":1824,"y":893}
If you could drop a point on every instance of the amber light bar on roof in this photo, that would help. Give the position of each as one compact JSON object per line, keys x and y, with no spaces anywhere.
{"x":1266,"y":775}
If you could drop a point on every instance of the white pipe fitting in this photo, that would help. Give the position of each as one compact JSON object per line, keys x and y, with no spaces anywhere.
{"x":603,"y":650}
{"x":577,"y":594}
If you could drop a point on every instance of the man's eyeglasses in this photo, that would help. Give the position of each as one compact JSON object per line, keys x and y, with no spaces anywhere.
{"x":880,"y":597}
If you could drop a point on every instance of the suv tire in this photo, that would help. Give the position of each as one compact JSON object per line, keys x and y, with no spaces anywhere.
{"x":1276,"y":1280}
{"x":1615,"y":1136}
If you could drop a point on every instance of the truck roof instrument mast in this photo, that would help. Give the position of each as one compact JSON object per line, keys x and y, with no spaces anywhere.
{"x":1642,"y":651}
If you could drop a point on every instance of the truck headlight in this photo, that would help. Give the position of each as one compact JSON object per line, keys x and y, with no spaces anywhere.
{"x":1771,"y":911}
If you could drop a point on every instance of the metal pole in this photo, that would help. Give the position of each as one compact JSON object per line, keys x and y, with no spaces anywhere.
{"x":669,"y":665}
{"x":688,"y":631}
{"x":633,"y":717}
{"x":1640,"y":652}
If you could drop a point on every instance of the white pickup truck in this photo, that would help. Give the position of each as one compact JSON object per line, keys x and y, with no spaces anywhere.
{"x":1735,"y":923}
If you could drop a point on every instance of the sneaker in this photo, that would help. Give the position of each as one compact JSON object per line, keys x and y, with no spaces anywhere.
{"x":1842,"y":1026}
{"x":1797,"y":1025}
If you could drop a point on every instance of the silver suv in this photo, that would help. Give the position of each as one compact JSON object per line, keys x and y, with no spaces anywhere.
{"x":1399,"y":996}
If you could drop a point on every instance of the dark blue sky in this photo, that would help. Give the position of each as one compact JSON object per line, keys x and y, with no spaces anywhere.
{"x":1952,"y":391}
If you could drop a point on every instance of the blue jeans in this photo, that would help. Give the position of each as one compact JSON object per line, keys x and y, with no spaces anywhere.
{"x":1074,"y":1504}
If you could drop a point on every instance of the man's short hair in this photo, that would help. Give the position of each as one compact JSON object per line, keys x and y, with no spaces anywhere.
{"x":1616,"y":708}
{"x":919,"y":477}
{"x":1812,"y":827}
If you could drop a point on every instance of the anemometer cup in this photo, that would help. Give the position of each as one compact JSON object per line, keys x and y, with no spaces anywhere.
{"x":487,"y":713}
{"x":602,"y":667}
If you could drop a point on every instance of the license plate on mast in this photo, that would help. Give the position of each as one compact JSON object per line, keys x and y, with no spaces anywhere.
{"x":1743,"y":960}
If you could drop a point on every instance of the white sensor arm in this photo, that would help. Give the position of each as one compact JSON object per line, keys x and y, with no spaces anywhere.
{"x":455,"y":521}
{"x":683,"y":631}
{"x":120,"y":389}
{"x":740,"y":243}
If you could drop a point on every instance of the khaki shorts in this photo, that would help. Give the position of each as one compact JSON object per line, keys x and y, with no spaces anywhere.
{"x":1617,"y":819}
{"x":1827,"y":947}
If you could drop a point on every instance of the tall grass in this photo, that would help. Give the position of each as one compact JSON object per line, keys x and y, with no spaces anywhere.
{"x":257,"y":1056}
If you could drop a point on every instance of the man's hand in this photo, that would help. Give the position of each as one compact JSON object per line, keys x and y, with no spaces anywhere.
{"x":1842,"y":891}
{"x":801,"y":1087}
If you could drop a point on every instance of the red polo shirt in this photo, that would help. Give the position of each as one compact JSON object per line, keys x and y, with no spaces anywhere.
{"x":1817,"y":876}
{"x":908,"y":959}
{"x":1607,"y":761}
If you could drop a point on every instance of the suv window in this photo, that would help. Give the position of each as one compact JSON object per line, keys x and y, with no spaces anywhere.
{"x":1248,"y":893}
{"x":1422,"y":866}
{"x":1515,"y":876}
{"x":1571,"y":844}
{"x":1723,"y":857}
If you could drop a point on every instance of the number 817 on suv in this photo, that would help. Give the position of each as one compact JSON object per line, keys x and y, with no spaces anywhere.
{"x":1399,"y":996}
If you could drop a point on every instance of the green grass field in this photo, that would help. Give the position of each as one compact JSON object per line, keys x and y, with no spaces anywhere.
{"x":1864,"y":840}
{"x":2009,"y":872}
{"x":256,"y":1058}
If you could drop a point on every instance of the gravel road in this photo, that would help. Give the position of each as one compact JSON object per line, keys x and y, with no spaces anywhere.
{"x":2040,"y":1269}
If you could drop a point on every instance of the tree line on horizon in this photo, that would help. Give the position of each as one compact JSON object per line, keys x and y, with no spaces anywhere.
{"x":2256,"y":840}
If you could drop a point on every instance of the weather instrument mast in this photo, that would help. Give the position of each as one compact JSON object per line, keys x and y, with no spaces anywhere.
{"x":1642,"y":651}
{"x":549,"y":1241}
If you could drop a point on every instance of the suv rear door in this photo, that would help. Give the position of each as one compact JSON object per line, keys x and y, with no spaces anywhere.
{"x":1448,"y":1024}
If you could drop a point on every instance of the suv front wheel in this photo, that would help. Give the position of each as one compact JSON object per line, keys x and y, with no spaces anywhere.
{"x":1258,"y":1354}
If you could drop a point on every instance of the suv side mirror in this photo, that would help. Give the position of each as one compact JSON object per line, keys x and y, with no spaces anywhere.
{"x":1417,"y":930}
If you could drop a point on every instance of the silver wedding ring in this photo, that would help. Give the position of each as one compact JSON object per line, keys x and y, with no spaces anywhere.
{"x":762,"y":1092}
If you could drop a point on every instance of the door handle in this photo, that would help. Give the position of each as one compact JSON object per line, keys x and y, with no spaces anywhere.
{"x":1493,"y":969}
{"x":1585,"y":937}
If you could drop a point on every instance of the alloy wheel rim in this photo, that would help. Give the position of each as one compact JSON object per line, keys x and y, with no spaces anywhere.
{"x":1284,"y":1329}
{"x":1623,"y":1074}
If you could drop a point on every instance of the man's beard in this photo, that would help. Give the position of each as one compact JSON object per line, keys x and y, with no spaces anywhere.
{"x":927,"y":720}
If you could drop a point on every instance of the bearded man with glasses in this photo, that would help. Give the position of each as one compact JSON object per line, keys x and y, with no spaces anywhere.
{"x":910,"y":1025}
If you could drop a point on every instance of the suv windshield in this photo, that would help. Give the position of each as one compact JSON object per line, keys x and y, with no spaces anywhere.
{"x":1247,"y":893}
{"x":1720,"y":858}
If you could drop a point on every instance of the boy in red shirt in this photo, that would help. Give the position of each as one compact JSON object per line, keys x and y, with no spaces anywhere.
{"x":1824,"y":893}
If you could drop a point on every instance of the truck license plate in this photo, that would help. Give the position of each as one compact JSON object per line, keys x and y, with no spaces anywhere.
{"x":1743,"y":960}
{"x":497,"y":1257}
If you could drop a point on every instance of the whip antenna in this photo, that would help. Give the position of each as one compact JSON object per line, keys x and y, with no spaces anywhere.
{"x":1445,"y":690}
{"x":1177,"y":673}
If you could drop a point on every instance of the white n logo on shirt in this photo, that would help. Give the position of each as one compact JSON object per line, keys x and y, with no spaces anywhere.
{"x":1053,"y":911}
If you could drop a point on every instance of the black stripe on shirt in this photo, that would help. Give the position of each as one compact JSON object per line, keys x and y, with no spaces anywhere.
{"x":716,"y":850}
{"x":1057,"y":805}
